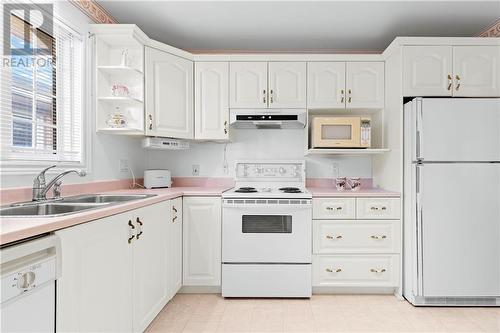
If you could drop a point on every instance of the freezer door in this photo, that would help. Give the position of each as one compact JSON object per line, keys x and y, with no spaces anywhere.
{"x":460,"y":229}
{"x":457,"y":129}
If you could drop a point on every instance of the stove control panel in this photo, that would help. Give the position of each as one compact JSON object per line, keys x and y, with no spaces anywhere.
{"x":290,"y":171}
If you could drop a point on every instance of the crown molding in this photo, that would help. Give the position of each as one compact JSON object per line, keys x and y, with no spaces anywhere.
{"x":94,"y":10}
{"x":491,"y":31}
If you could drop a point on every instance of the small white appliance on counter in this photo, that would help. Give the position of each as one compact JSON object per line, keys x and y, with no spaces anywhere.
{"x":266,"y":231}
{"x":28,"y":276}
{"x":452,"y":202}
{"x":157,"y":178}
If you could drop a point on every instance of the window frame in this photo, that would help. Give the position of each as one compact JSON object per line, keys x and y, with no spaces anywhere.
{"x":33,"y":167}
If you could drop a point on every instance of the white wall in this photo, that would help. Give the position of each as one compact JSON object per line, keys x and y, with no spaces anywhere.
{"x":106,"y":150}
{"x":254,"y":144}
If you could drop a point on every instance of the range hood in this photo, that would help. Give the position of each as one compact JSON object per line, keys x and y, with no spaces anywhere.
{"x":268,"y":118}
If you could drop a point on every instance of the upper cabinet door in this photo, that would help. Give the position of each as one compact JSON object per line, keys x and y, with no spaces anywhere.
{"x":476,"y":71}
{"x":169,"y":95}
{"x":211,"y":96}
{"x":248,"y":85}
{"x":427,"y":71}
{"x":287,"y":84}
{"x":325,"y":85}
{"x":365,"y":85}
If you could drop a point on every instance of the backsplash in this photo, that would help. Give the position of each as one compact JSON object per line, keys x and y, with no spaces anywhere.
{"x":255,"y":144}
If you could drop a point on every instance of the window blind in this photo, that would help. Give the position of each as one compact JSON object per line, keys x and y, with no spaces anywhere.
{"x":41,"y":102}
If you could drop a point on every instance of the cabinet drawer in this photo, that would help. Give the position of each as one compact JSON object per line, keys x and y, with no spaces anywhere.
{"x":356,"y":270}
{"x":334,"y":208}
{"x":378,"y":208}
{"x":356,"y":236}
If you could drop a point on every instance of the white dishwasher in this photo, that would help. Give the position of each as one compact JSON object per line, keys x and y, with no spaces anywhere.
{"x":28,"y":292}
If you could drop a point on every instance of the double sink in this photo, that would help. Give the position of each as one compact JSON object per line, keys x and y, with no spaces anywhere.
{"x":68,"y":205}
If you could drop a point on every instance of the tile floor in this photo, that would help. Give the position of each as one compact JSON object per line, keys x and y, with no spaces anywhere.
{"x":322,"y":313}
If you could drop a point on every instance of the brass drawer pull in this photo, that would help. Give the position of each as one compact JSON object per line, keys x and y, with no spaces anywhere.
{"x":333,"y":208}
{"x":132,"y":227}
{"x":342,"y":98}
{"x":373,"y":270}
{"x":450,"y":82}
{"x":378,"y":236}
{"x":329,"y":270}
{"x":334,"y":237}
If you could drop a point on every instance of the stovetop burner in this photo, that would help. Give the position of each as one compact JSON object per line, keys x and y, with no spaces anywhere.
{"x":290,"y":190}
{"x":246,"y":190}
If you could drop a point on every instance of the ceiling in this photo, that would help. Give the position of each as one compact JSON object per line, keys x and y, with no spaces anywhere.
{"x":294,"y":26}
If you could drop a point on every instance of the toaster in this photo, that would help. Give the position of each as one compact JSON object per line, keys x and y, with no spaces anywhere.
{"x":157,"y":178}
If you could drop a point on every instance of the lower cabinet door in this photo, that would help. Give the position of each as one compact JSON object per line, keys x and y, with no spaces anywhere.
{"x":94,"y":291}
{"x":150,"y":287}
{"x":202,"y":241}
{"x":174,"y":262}
{"x":356,"y":270}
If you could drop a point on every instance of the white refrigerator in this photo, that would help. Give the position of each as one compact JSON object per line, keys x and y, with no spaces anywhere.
{"x":452,"y":201}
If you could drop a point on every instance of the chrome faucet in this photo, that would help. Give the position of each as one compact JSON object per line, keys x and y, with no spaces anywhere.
{"x":40,"y":188}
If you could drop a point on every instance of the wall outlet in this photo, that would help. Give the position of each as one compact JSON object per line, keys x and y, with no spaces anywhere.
{"x":336,"y":169}
{"x":123,"y":165}
{"x":196,"y":170}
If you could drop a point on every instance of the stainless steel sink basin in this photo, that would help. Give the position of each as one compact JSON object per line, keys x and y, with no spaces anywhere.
{"x":46,"y":209}
{"x":68,"y":205}
{"x":106,"y":198}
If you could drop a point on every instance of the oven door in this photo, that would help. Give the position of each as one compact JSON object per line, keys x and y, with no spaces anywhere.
{"x":331,"y":132}
{"x":267,"y":233}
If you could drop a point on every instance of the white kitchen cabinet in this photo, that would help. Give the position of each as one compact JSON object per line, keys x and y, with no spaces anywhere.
{"x":287,"y":85}
{"x":174,"y":262}
{"x":248,"y":85}
{"x":169,"y":95}
{"x":211,"y":97}
{"x":150,"y":288}
{"x":326,"y":85}
{"x":427,"y":71}
{"x":94,"y":292}
{"x":202,"y":241}
{"x":365,"y":85}
{"x":114,"y":272}
{"x":476,"y":71}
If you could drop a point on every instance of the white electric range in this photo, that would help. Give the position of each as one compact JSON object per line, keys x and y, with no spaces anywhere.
{"x":266,"y":231}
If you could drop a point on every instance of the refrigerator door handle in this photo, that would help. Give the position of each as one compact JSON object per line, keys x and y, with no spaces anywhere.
{"x":419,"y":129}
{"x":419,"y":222}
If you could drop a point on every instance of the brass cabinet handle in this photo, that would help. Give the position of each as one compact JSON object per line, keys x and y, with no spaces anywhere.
{"x":378,"y":236}
{"x":373,"y":208}
{"x":333,"y":208}
{"x":264,"y":97}
{"x":132,"y":227}
{"x":139,"y":228}
{"x":225,"y":127}
{"x":373,"y":270}
{"x":332,"y":237}
{"x":349,"y":99}
{"x":458,"y":82}
{"x":150,"y":122}
{"x":450,"y":82}
{"x":174,"y":209}
{"x":338,"y":270}
{"x":342,"y":96}
{"x":271,"y":98}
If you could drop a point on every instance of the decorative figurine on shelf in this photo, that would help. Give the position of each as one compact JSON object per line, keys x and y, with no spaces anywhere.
{"x":117,"y":119}
{"x":341,"y":183}
{"x":125,"y":58}
{"x":120,"y":90}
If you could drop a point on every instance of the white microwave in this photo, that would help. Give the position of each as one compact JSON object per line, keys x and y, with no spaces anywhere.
{"x":341,"y":132}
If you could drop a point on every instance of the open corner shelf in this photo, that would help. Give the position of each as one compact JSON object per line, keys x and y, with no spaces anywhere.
{"x":340,"y":151}
{"x":122,"y":130}
{"x":114,"y":70}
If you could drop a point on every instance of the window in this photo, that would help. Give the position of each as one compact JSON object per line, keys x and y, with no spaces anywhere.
{"x":41,"y":118}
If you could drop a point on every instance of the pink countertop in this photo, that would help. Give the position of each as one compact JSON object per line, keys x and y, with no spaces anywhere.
{"x":318,"y":192}
{"x":14,"y":229}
